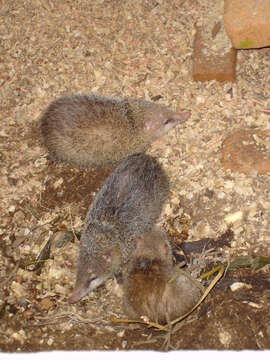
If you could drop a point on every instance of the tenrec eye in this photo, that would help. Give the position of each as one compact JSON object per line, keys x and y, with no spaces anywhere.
{"x":168,"y":121}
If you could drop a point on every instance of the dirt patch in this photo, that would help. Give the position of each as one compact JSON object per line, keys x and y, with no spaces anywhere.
{"x":227,"y":320}
{"x":67,"y":185}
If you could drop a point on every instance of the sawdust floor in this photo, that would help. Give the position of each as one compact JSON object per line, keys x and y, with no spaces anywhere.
{"x":50,"y":48}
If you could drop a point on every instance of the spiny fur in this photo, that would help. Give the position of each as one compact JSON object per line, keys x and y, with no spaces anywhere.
{"x":95,"y":130}
{"x":147,"y":291}
{"x":128,"y":205}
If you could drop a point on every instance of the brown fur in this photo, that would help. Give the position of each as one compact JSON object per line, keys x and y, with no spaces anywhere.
{"x":147,"y":291}
{"x":94,"y":130}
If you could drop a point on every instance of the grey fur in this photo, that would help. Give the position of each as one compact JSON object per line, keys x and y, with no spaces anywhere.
{"x":128,"y":205}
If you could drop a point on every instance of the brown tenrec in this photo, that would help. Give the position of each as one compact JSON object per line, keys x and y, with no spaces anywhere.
{"x":95,"y":130}
{"x":147,"y":290}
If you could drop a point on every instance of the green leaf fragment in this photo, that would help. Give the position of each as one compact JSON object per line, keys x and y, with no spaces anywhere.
{"x":260,"y":261}
{"x":245,"y":44}
{"x":242,"y":261}
{"x":254,"y":261}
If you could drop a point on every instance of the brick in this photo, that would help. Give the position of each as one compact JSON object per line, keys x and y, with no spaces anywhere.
{"x":247,"y":23}
{"x":247,"y":150}
{"x":220,"y":67}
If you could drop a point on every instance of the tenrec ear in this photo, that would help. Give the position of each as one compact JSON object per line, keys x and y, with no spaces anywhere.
{"x":166,"y":249}
{"x":181,"y":116}
{"x":107,"y":256}
{"x":148,"y":125}
{"x":138,"y":241}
